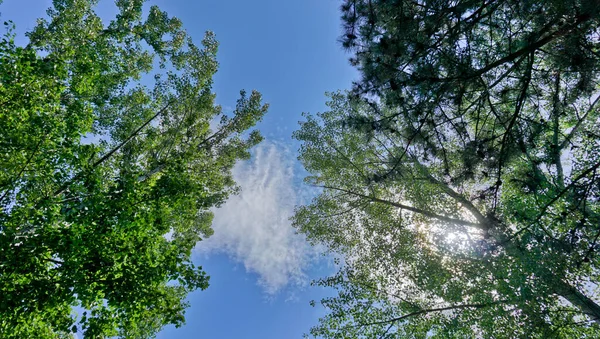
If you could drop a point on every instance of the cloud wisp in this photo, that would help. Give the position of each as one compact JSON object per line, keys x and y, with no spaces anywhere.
{"x":254,"y":228}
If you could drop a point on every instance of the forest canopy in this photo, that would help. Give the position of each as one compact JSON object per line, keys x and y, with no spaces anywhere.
{"x":108,"y":169}
{"x":459,"y":176}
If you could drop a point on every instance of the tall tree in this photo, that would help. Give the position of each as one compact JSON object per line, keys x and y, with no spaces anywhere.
{"x":460,"y":176}
{"x":107,"y":177}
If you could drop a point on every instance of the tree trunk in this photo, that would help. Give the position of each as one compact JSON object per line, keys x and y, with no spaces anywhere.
{"x":562,"y":288}
{"x":579,"y":300}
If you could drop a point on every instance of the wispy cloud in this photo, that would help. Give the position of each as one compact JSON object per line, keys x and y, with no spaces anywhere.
{"x":254,"y":228}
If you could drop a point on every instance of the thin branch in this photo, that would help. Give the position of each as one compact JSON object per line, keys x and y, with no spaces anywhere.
{"x":483,"y":221}
{"x":590,"y":250}
{"x":33,"y":153}
{"x":342,"y":212}
{"x":534,"y":46}
{"x":523,"y":51}
{"x":115,"y":149}
{"x":579,"y":122}
{"x":58,"y":262}
{"x":408,"y":208}
{"x":556,"y":110}
{"x":430,"y":310}
{"x":386,"y":331}
{"x":131,"y":136}
{"x":560,"y":194}
{"x":518,"y":108}
{"x":348,"y":160}
{"x":408,"y":144}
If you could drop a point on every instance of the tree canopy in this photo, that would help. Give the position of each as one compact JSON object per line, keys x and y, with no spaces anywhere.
{"x":112,"y":153}
{"x":460,"y":176}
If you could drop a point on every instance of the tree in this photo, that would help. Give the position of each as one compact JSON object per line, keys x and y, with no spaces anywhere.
{"x":107,"y":177}
{"x":460,"y":176}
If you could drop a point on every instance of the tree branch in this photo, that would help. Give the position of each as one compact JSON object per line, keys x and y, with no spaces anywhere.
{"x":518,"y":108}
{"x":556,"y":110}
{"x":131,"y":136}
{"x":532,"y":47}
{"x":579,"y":122}
{"x":408,"y":208}
{"x":430,"y":310}
{"x":58,"y":262}
{"x":551,"y":202}
{"x":580,"y":300}
{"x":483,"y":221}
{"x":115,"y":149}
{"x":33,"y":153}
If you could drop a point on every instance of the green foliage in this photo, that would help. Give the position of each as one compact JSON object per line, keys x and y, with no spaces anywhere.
{"x":109,"y":226}
{"x":460,"y":175}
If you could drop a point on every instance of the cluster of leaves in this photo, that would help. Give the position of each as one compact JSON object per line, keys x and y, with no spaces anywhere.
{"x":106,"y":183}
{"x":460,"y":175}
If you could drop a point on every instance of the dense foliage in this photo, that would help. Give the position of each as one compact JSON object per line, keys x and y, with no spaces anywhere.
{"x":460,"y":176}
{"x":112,"y":152}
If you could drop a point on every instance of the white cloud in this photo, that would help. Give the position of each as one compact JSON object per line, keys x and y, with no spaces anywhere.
{"x":254,"y":228}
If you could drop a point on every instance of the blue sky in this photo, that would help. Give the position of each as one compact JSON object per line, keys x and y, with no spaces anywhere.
{"x":259,"y":268}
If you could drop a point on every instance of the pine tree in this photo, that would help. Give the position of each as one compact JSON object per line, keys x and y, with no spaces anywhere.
{"x":460,"y":175}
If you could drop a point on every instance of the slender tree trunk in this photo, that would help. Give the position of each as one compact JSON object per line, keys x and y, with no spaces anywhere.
{"x":580,"y":300}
